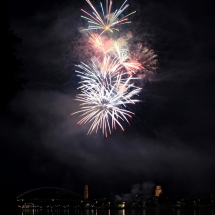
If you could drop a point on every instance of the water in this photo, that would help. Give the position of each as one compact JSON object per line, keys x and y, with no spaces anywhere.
{"x":118,"y":212}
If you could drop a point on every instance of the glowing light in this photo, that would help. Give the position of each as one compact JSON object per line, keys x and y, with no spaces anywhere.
{"x":117,"y":49}
{"x":108,"y":20}
{"x":105,"y":96}
{"x":101,"y":43}
{"x":107,"y":84}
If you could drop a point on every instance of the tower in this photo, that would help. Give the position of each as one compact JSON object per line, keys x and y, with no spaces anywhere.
{"x":86,"y":193}
{"x":158,"y":190}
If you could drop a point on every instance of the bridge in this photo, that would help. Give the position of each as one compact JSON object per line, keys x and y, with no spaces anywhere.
{"x":51,"y":197}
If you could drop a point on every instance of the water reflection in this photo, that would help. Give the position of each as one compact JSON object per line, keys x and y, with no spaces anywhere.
{"x":116,"y":212}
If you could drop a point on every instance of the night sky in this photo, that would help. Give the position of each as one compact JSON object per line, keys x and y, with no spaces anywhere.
{"x":169,"y":142}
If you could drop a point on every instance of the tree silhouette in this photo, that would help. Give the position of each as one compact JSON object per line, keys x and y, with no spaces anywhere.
{"x":10,"y":81}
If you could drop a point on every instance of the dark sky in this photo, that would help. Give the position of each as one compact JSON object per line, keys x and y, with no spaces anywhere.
{"x":170,"y":141}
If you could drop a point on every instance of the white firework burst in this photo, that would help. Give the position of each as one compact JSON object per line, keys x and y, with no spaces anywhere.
{"x":105,"y":96}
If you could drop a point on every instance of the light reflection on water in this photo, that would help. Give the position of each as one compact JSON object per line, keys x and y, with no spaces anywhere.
{"x":116,"y":212}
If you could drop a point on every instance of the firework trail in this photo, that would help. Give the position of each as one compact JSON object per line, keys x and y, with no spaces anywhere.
{"x":107,"y":82}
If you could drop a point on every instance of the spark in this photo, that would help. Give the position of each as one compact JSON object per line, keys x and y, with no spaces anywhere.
{"x":117,"y":49}
{"x":108,"y":86}
{"x":101,"y":43}
{"x":146,"y":56}
{"x":108,"y":20}
{"x":123,"y":54}
{"x":105,"y":96}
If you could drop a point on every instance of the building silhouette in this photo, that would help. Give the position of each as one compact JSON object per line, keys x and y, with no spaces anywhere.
{"x":158,"y":190}
{"x":86,"y":192}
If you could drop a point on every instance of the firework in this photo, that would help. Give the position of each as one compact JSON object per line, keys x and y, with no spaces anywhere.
{"x":105,"y":95}
{"x":117,"y":49}
{"x":101,"y":44}
{"x":108,"y":83}
{"x":108,"y":20}
{"x":146,"y":56}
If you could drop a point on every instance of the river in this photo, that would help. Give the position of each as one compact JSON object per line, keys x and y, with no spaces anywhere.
{"x":117,"y":212}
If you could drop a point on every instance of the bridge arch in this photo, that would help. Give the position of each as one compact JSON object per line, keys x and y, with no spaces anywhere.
{"x":79,"y":197}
